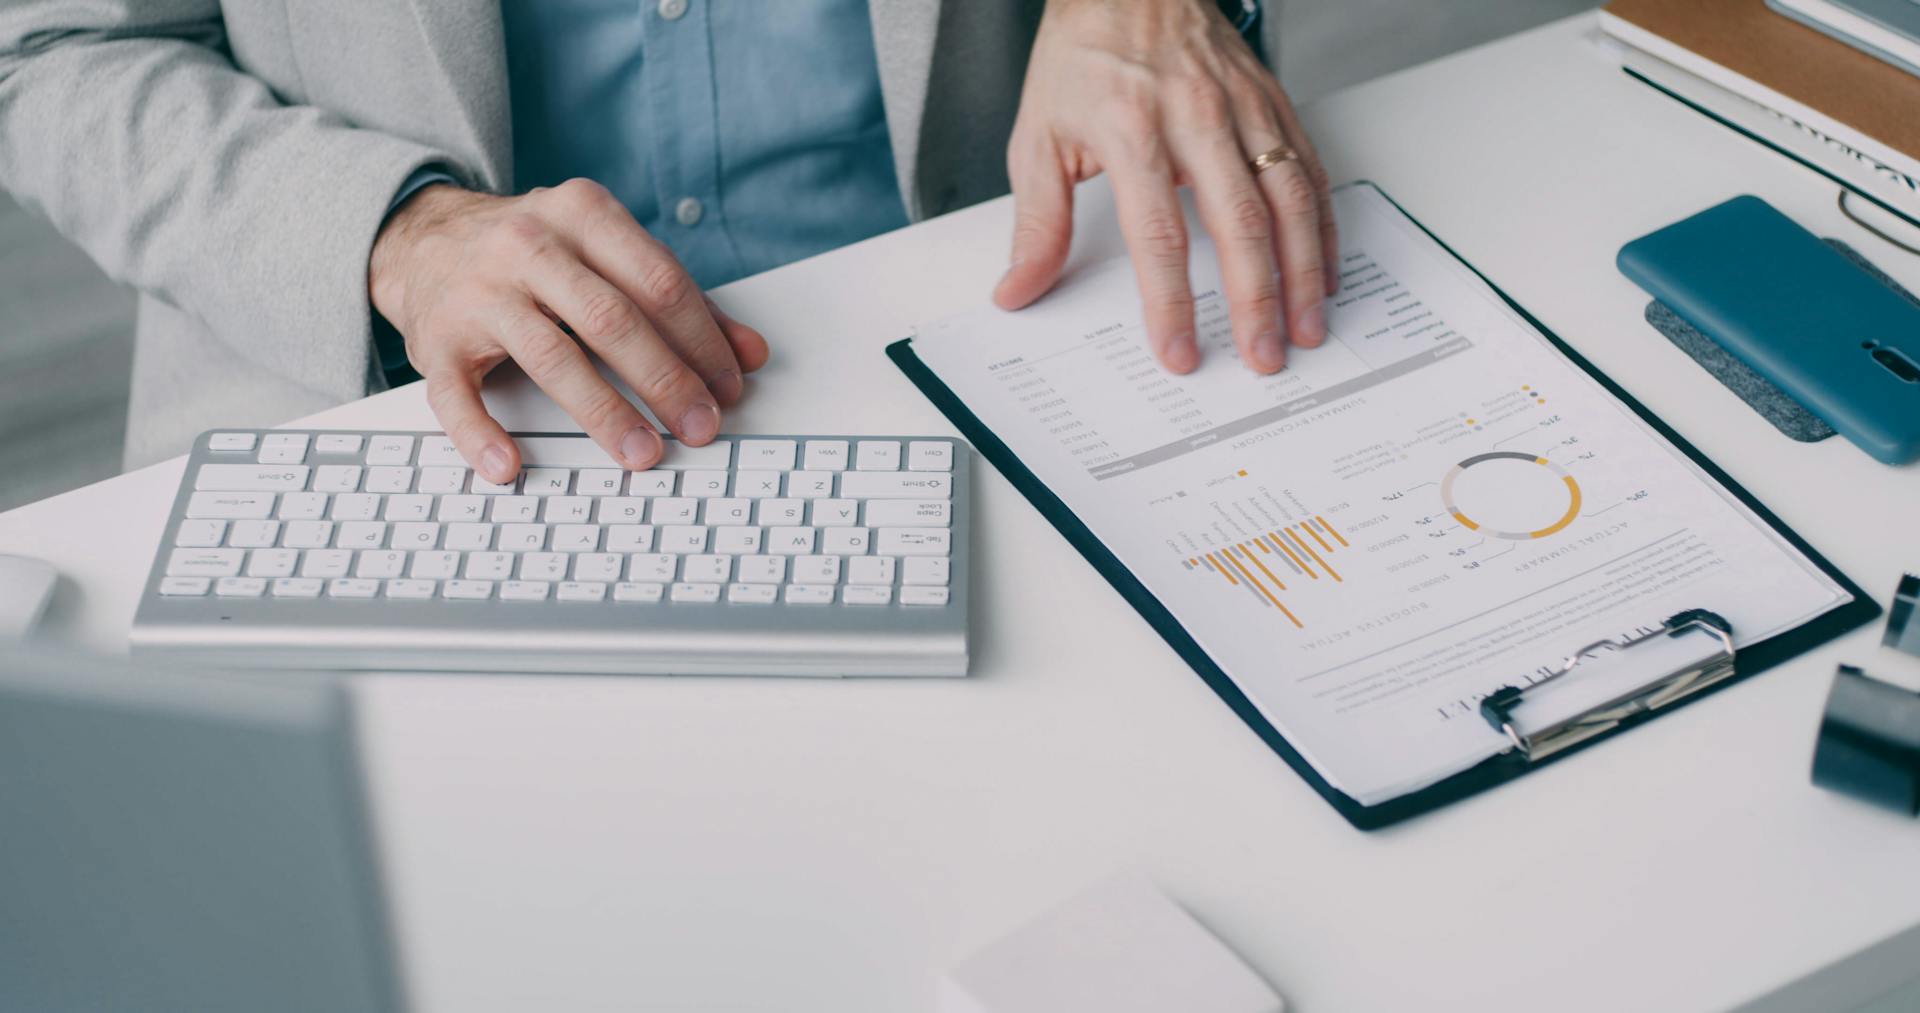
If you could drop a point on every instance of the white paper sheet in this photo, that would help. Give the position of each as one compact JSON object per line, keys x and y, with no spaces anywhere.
{"x":1434,"y":504}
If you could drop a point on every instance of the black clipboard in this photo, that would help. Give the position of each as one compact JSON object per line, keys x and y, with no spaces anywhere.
{"x":1488,"y":773}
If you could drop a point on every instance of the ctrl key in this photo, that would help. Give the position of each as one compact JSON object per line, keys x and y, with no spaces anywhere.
{"x":185,"y":587}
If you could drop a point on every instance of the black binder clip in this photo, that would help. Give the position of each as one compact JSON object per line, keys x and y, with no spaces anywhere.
{"x":1869,"y":745}
{"x":1691,"y":651}
{"x":1903,"y":617}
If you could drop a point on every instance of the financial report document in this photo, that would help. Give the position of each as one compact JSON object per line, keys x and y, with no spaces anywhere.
{"x":1432,"y":505}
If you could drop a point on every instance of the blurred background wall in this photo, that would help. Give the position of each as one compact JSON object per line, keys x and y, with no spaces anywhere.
{"x":66,"y":331}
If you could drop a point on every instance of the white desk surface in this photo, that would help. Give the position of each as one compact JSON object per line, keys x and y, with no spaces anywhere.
{"x":601,"y":843}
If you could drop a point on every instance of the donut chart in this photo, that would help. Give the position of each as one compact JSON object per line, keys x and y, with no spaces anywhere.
{"x":1517,"y":504}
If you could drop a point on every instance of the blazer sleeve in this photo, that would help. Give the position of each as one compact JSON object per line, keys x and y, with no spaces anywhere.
{"x":125,"y":123}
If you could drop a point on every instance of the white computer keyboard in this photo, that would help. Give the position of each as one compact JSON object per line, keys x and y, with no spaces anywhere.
{"x":751,"y":555}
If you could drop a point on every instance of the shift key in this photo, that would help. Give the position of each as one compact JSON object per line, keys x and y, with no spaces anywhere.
{"x":895,"y":485}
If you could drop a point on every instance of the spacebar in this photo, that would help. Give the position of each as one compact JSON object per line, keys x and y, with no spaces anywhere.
{"x":562,"y":452}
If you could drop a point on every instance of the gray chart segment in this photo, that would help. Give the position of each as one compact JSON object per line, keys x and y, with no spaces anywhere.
{"x":1285,"y":409}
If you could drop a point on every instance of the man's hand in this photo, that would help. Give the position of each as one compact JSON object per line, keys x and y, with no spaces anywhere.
{"x":1159,"y":94}
{"x":472,"y":280}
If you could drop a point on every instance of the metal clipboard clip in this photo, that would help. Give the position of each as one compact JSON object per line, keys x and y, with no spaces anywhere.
{"x":1554,"y":713}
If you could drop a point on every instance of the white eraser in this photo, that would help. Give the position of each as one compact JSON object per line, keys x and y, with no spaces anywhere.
{"x":1120,"y":947}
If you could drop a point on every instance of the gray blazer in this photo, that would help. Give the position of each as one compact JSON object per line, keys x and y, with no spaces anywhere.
{"x":233,"y":159}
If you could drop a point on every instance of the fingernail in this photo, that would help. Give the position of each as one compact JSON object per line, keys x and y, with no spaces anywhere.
{"x":1181,"y":356}
{"x":700,"y":423}
{"x":641,"y":447}
{"x":494,"y":462}
{"x":1313,"y":324}
{"x":725,"y":386}
{"x":1269,"y":350}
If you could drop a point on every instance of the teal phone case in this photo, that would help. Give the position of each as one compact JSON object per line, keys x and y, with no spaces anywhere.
{"x":1798,"y":313}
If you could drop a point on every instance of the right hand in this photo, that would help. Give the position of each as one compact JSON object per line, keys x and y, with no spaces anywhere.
{"x":472,"y":279}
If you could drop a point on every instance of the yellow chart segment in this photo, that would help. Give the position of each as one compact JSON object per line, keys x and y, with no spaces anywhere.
{"x":1453,"y":509}
{"x":1260,"y":565}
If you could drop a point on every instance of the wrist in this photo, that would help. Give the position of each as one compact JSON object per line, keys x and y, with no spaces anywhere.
{"x":416,"y":215}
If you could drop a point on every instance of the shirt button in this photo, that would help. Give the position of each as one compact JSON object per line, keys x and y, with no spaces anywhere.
{"x":689,"y":210}
{"x":673,"y":9}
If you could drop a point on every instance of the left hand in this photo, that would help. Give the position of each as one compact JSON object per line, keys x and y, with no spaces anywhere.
{"x":1160,"y":94}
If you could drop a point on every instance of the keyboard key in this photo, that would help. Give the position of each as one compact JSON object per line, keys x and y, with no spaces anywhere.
{"x":437,"y":451}
{"x":736,"y":541}
{"x":303,"y":506}
{"x":563,"y":452}
{"x":698,"y":593}
{"x":542,"y":566}
{"x":522,"y":537}
{"x":488,"y":566}
{"x":630,"y":538}
{"x":513,"y":509}
{"x":412,"y":590}
{"x":389,"y":479}
{"x":790,"y":541}
{"x":204,"y":562}
{"x":579,"y":590}
{"x":390,"y":450}
{"x":253,"y":534}
{"x":917,"y":513}
{"x":407,"y":507}
{"x":757,"y":484}
{"x":895,"y":485}
{"x":870,"y":570}
{"x":810,"y":484}
{"x":752,"y":594}
{"x":229,"y":442}
{"x":599,"y":482}
{"x":200,"y":534}
{"x":467,"y":590}
{"x":355,"y":506}
{"x":352,"y":587}
{"x":706,"y":569}
{"x":728,"y":511}
{"x":877,"y":455}
{"x":524,"y":590}
{"x":481,"y":487}
{"x":652,"y":567}
{"x":913,"y":541}
{"x":673,"y":510}
{"x":337,"y":443}
{"x":929,"y":455}
{"x":809,"y":594}
{"x":325,"y":564}
{"x":638,"y":592}
{"x":597,"y":567}
{"x":866,"y":594}
{"x":620,"y":510}
{"x":826,"y":455}
{"x":774,"y":455}
{"x":240,"y":587}
{"x":250,"y":478}
{"x":761,"y":569}
{"x":576,"y":537}
{"x":930,"y":571}
{"x":415,"y":535}
{"x":681,"y":538}
{"x":360,"y":535}
{"x":846,"y":541}
{"x":829,"y":513}
{"x":715,"y":456}
{"x":184,"y":587}
{"x":336,"y":478}
{"x":467,"y":537}
{"x":651,"y":483}
{"x":815,"y":569}
{"x":567,"y":510}
{"x":704,"y":483}
{"x":297,"y":587}
{"x":431,"y":566}
{"x":923,"y":596}
{"x":546,"y":481}
{"x":783,"y":511}
{"x":442,"y":481}
{"x":379,"y":564}
{"x":307,"y":534}
{"x":272,"y":562}
{"x":283,"y":448}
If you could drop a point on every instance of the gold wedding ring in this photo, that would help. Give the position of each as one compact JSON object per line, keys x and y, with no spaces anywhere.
{"x":1271,"y":157}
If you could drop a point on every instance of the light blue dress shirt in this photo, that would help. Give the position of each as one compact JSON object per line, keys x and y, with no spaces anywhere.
{"x":742,"y":133}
